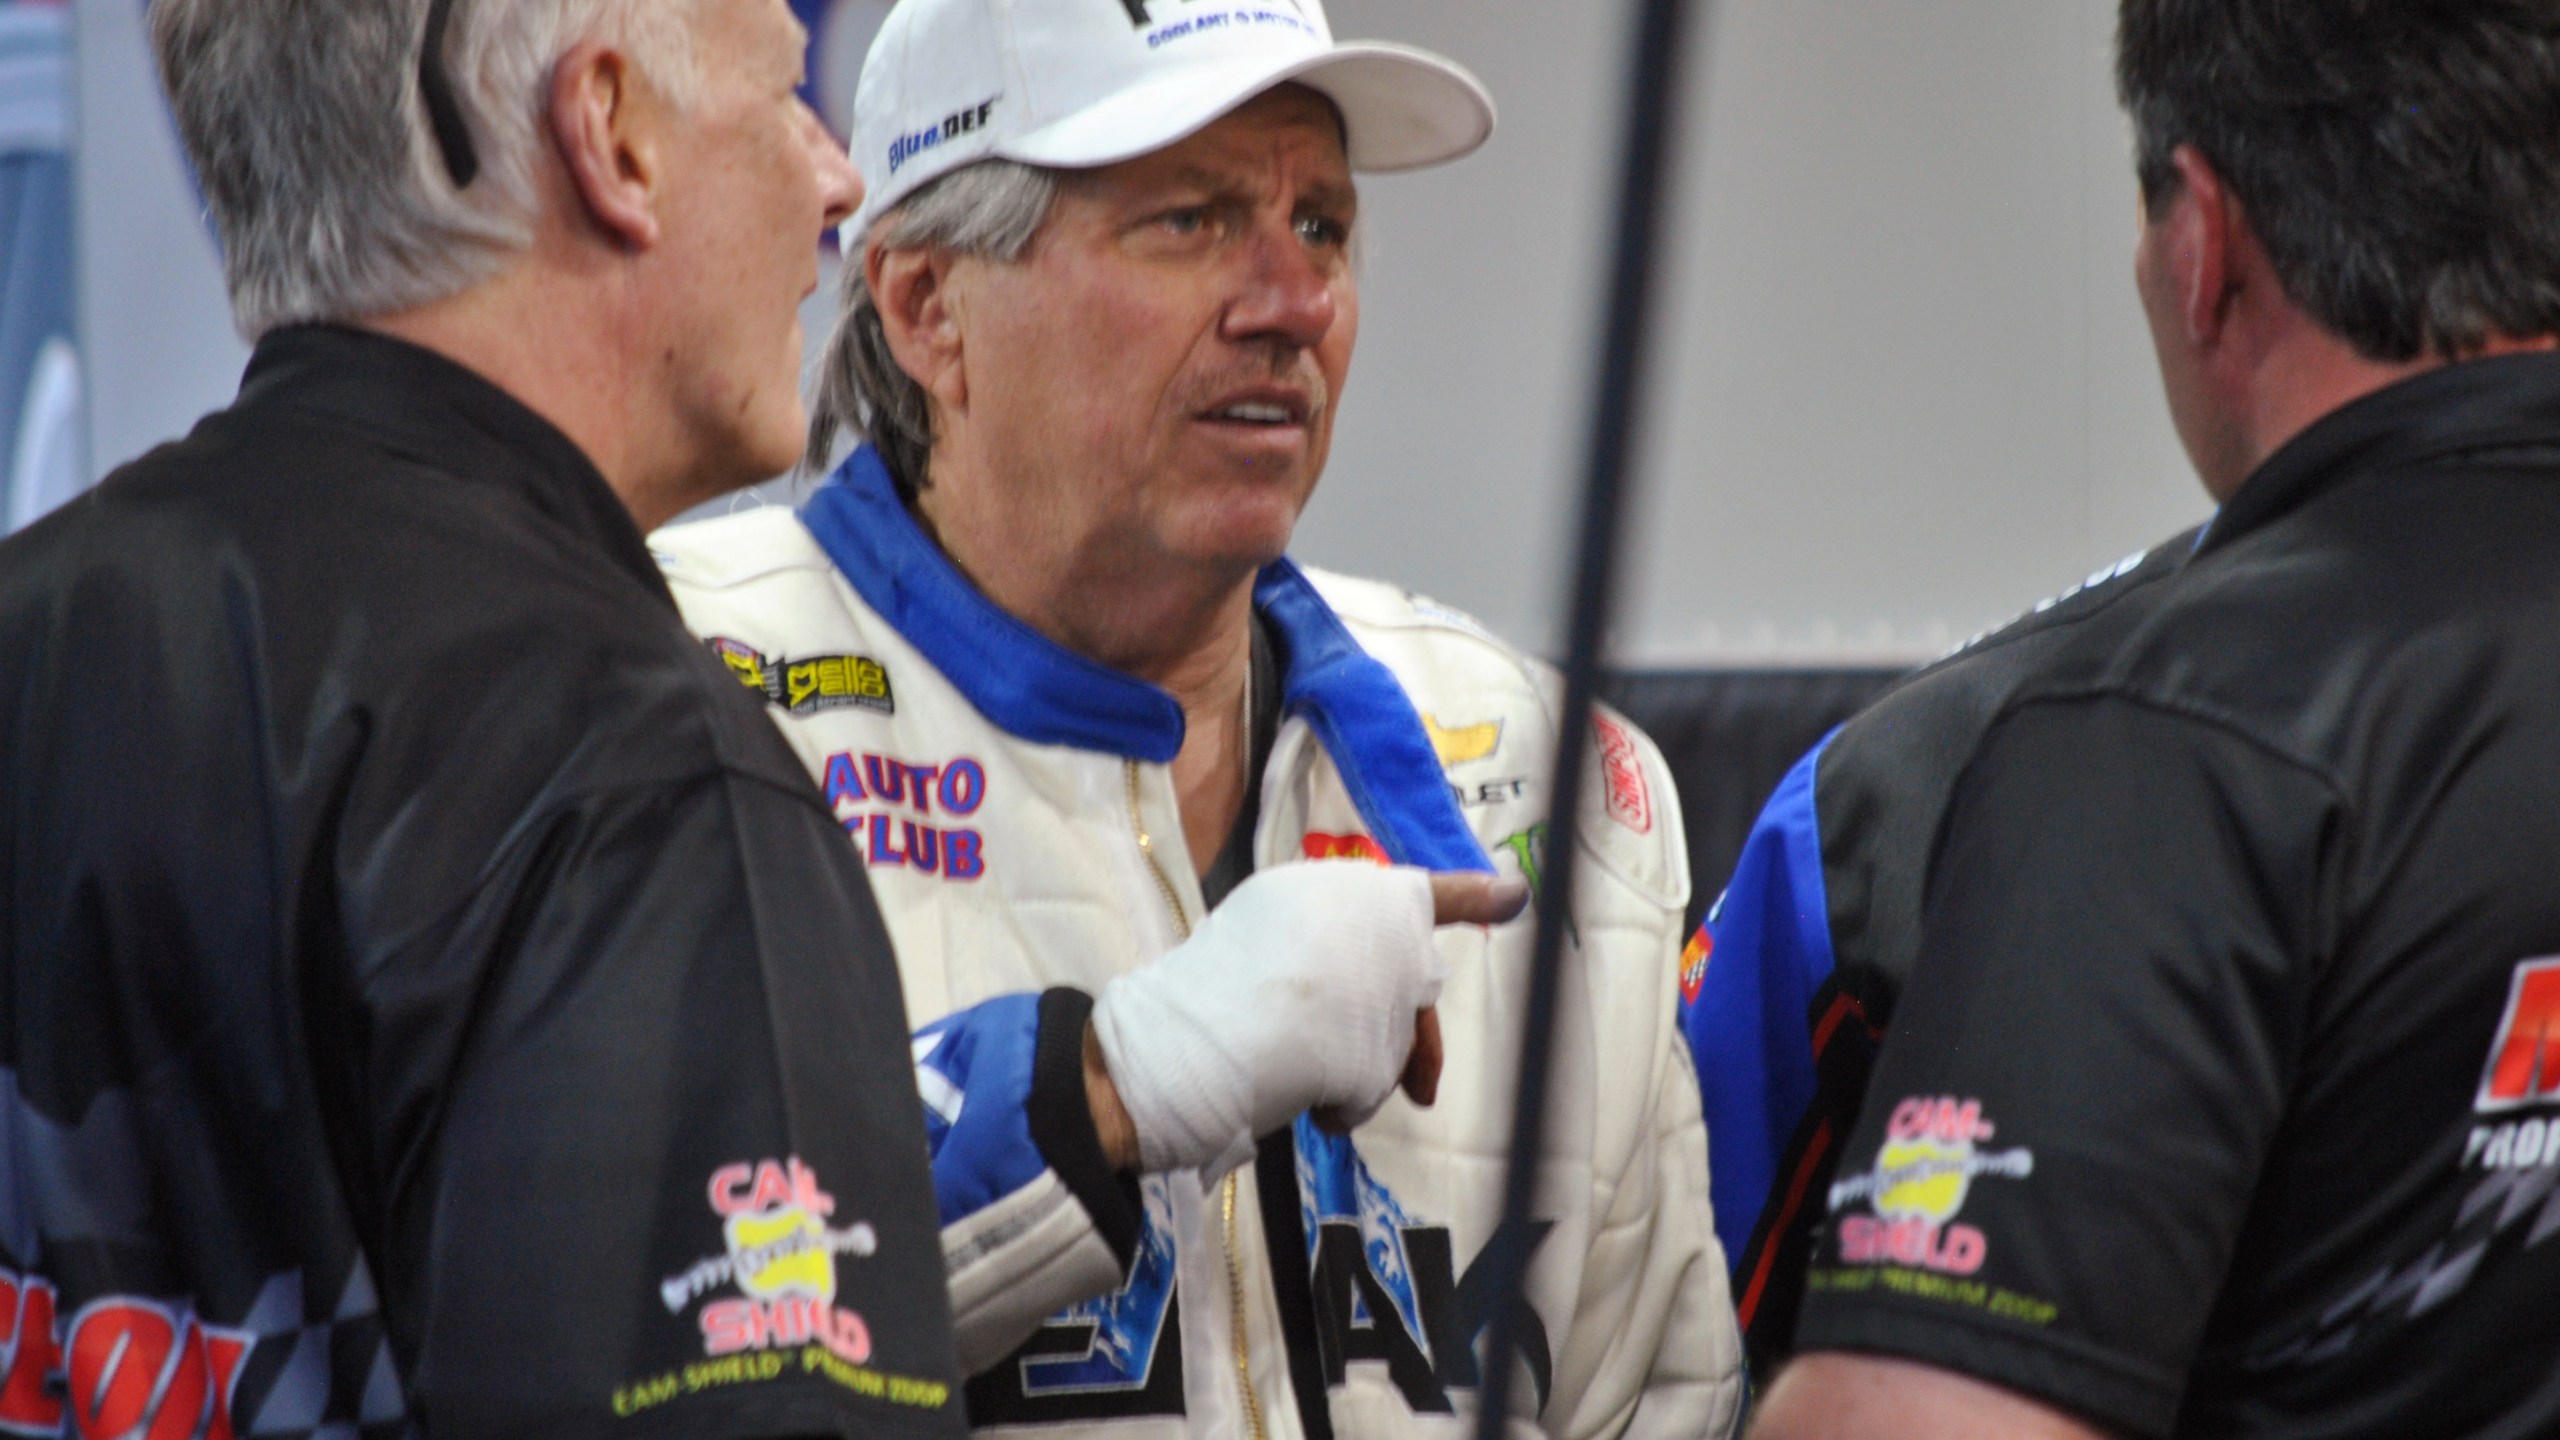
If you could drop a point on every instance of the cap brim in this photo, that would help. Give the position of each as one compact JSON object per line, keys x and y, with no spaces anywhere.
{"x":1404,"y":108}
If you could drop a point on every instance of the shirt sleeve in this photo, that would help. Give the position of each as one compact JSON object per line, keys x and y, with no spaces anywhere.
{"x":650,"y":1151}
{"x":2085,"y":1070}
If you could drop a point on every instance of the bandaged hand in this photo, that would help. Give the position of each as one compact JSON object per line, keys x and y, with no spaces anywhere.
{"x":1302,"y":991}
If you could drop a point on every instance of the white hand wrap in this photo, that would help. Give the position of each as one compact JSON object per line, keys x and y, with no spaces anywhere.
{"x":1299,"y":991}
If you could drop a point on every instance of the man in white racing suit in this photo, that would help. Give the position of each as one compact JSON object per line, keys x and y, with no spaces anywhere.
{"x":1039,"y":643}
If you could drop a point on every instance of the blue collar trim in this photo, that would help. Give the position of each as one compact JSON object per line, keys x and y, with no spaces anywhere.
{"x":1028,"y":684}
{"x":1368,"y":725}
{"x":1038,"y":690}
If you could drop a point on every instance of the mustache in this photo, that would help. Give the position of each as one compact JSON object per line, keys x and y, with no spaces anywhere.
{"x":1292,"y":366}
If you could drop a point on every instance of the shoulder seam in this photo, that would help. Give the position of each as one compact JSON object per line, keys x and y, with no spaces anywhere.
{"x":2188,"y":711}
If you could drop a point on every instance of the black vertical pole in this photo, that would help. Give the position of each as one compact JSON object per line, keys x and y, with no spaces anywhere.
{"x":1655,"y":70}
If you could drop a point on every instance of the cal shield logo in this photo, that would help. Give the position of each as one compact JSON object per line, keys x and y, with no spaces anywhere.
{"x":812,"y":686}
{"x":780,"y":1258}
{"x":1935,"y":1148}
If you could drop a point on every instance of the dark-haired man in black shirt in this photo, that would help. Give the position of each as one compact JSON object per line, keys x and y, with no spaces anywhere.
{"x":2221,"y":1096}
{"x":435,"y":1001}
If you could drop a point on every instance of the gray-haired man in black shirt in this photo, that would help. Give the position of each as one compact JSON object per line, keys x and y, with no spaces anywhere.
{"x":435,"y":1000}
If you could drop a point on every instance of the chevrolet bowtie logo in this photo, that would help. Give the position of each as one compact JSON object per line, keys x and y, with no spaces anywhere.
{"x":1460,"y":744}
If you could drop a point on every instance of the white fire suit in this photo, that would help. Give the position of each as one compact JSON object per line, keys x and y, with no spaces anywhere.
{"x":1016,"y":808}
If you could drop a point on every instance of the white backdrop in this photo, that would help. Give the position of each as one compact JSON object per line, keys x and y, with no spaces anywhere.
{"x":1904,"y":386}
{"x":1904,"y":389}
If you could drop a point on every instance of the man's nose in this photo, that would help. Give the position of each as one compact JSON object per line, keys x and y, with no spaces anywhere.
{"x":1288,"y":290}
{"x":839,"y":184}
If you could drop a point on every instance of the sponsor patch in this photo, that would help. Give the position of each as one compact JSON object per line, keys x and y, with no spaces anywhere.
{"x":966,"y":120}
{"x":118,"y":1366}
{"x":1933,"y":1152}
{"x":1320,"y":846}
{"x":1141,"y":12}
{"x":1529,"y":847}
{"x":779,"y":1258}
{"x":1489,"y":792}
{"x":812,"y":686}
{"x":1693,"y":964}
{"x":1459,"y":744}
{"x":2510,"y":1171}
{"x":1388,"y":1289}
{"x":2526,"y":1144}
{"x":1116,"y":1357}
{"x":2523,"y":1072}
{"x":900,"y":815}
{"x":2524,"y":1055}
{"x":1622,"y":770}
{"x":1216,"y":21}
{"x":1528,"y":850}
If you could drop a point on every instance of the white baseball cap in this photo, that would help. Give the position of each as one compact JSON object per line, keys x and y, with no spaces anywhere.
{"x":1078,"y":83}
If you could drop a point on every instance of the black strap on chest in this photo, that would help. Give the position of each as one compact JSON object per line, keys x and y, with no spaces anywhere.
{"x":1235,"y":857}
{"x":1275,"y":1168}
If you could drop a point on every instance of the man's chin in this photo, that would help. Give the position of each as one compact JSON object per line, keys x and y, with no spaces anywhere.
{"x":1253,"y":517}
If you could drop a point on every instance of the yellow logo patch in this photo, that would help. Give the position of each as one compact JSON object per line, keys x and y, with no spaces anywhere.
{"x":806,"y":687}
{"x":1923,"y":1179}
{"x":1456,"y":745}
{"x":784,"y":1252}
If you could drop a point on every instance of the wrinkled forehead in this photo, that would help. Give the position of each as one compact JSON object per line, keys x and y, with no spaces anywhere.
{"x":1316,"y":106}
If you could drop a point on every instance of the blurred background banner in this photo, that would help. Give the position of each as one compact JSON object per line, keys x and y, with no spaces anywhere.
{"x":840,"y":34}
{"x":1905,"y":389}
{"x":42,"y":442}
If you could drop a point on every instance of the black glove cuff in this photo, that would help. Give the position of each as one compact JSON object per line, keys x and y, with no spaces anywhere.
{"x":1062,"y":1124}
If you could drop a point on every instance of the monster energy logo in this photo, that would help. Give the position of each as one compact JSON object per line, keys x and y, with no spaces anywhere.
{"x":1529,"y":848}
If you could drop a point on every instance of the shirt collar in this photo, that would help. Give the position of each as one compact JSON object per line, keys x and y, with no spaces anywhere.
{"x":436,"y":413}
{"x":1037,"y":690}
{"x":2502,"y":403}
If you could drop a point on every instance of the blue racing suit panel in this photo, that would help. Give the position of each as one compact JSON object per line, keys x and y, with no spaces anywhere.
{"x":1746,"y":990}
{"x":1003,"y":1089}
{"x":973,"y":1072}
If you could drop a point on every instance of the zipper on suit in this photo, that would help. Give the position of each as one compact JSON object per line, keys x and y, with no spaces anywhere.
{"x":1227,"y":1201}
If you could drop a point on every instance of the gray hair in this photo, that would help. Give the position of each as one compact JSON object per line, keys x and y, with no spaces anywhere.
{"x":992,"y":209}
{"x":315,"y":153}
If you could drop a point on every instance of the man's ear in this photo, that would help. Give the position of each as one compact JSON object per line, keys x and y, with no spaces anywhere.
{"x":610,"y":125}
{"x":2208,"y":247}
{"x":920,"y":317}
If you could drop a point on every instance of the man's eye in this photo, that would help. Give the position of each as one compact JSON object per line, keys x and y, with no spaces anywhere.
{"x":1318,"y":230}
{"x":1189,"y":220}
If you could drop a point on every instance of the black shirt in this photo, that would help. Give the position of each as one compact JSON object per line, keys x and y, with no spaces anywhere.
{"x":434,"y":996}
{"x":2217,"y":1100}
{"x":1881,"y":787}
